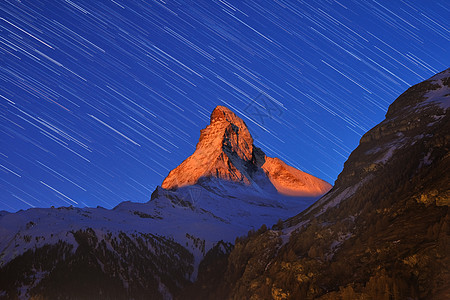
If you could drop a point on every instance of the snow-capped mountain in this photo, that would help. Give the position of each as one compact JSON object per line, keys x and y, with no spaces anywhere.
{"x":137,"y":250}
{"x":226,"y":151}
{"x":383,"y":230}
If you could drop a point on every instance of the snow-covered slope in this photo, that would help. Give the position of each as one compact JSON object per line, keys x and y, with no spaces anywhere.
{"x":211,"y":211}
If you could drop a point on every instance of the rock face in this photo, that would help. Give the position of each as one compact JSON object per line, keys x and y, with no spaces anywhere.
{"x":225,"y":151}
{"x":382,"y":232}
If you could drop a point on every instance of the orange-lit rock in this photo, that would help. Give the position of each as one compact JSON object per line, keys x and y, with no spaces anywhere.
{"x":225,"y":150}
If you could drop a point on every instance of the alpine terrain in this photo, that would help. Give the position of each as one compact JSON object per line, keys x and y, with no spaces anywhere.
{"x":382,"y":232}
{"x":153,"y":250}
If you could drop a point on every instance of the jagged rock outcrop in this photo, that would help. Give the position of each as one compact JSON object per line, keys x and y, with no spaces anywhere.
{"x":224,"y":150}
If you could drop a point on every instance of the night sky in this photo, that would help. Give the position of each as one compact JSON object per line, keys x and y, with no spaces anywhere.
{"x":99,"y":100}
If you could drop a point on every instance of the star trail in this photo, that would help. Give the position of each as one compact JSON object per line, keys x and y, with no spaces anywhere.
{"x":99,"y":100}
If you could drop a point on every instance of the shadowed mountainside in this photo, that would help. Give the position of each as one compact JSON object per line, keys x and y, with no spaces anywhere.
{"x":382,"y":232}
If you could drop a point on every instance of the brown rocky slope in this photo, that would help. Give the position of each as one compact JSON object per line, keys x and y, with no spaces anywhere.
{"x":382,"y":232}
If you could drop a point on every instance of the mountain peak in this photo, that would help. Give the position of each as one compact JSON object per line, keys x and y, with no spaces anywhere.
{"x":225,"y":151}
{"x":222,"y":113}
{"x":226,"y":132}
{"x":223,"y":144}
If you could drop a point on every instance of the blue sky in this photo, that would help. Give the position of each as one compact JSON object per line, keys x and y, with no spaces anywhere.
{"x":99,"y":100}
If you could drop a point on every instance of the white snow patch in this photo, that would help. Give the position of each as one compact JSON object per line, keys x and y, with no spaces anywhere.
{"x":347,"y":193}
{"x":437,"y":118}
{"x":164,"y":291}
{"x":439,"y":96}
{"x":387,"y":155}
{"x":287,"y":232}
{"x":374,"y":150}
{"x":340,"y":239}
{"x":337,"y":243}
{"x":426,"y":160}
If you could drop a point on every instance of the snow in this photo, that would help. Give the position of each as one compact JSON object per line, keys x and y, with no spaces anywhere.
{"x":347,"y":193}
{"x":218,"y":210}
{"x":439,"y":96}
{"x":437,"y":118}
{"x":387,"y":155}
{"x":287,"y":232}
{"x":427,"y":159}
{"x":342,"y":237}
{"x":374,"y":150}
{"x":164,"y":291}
